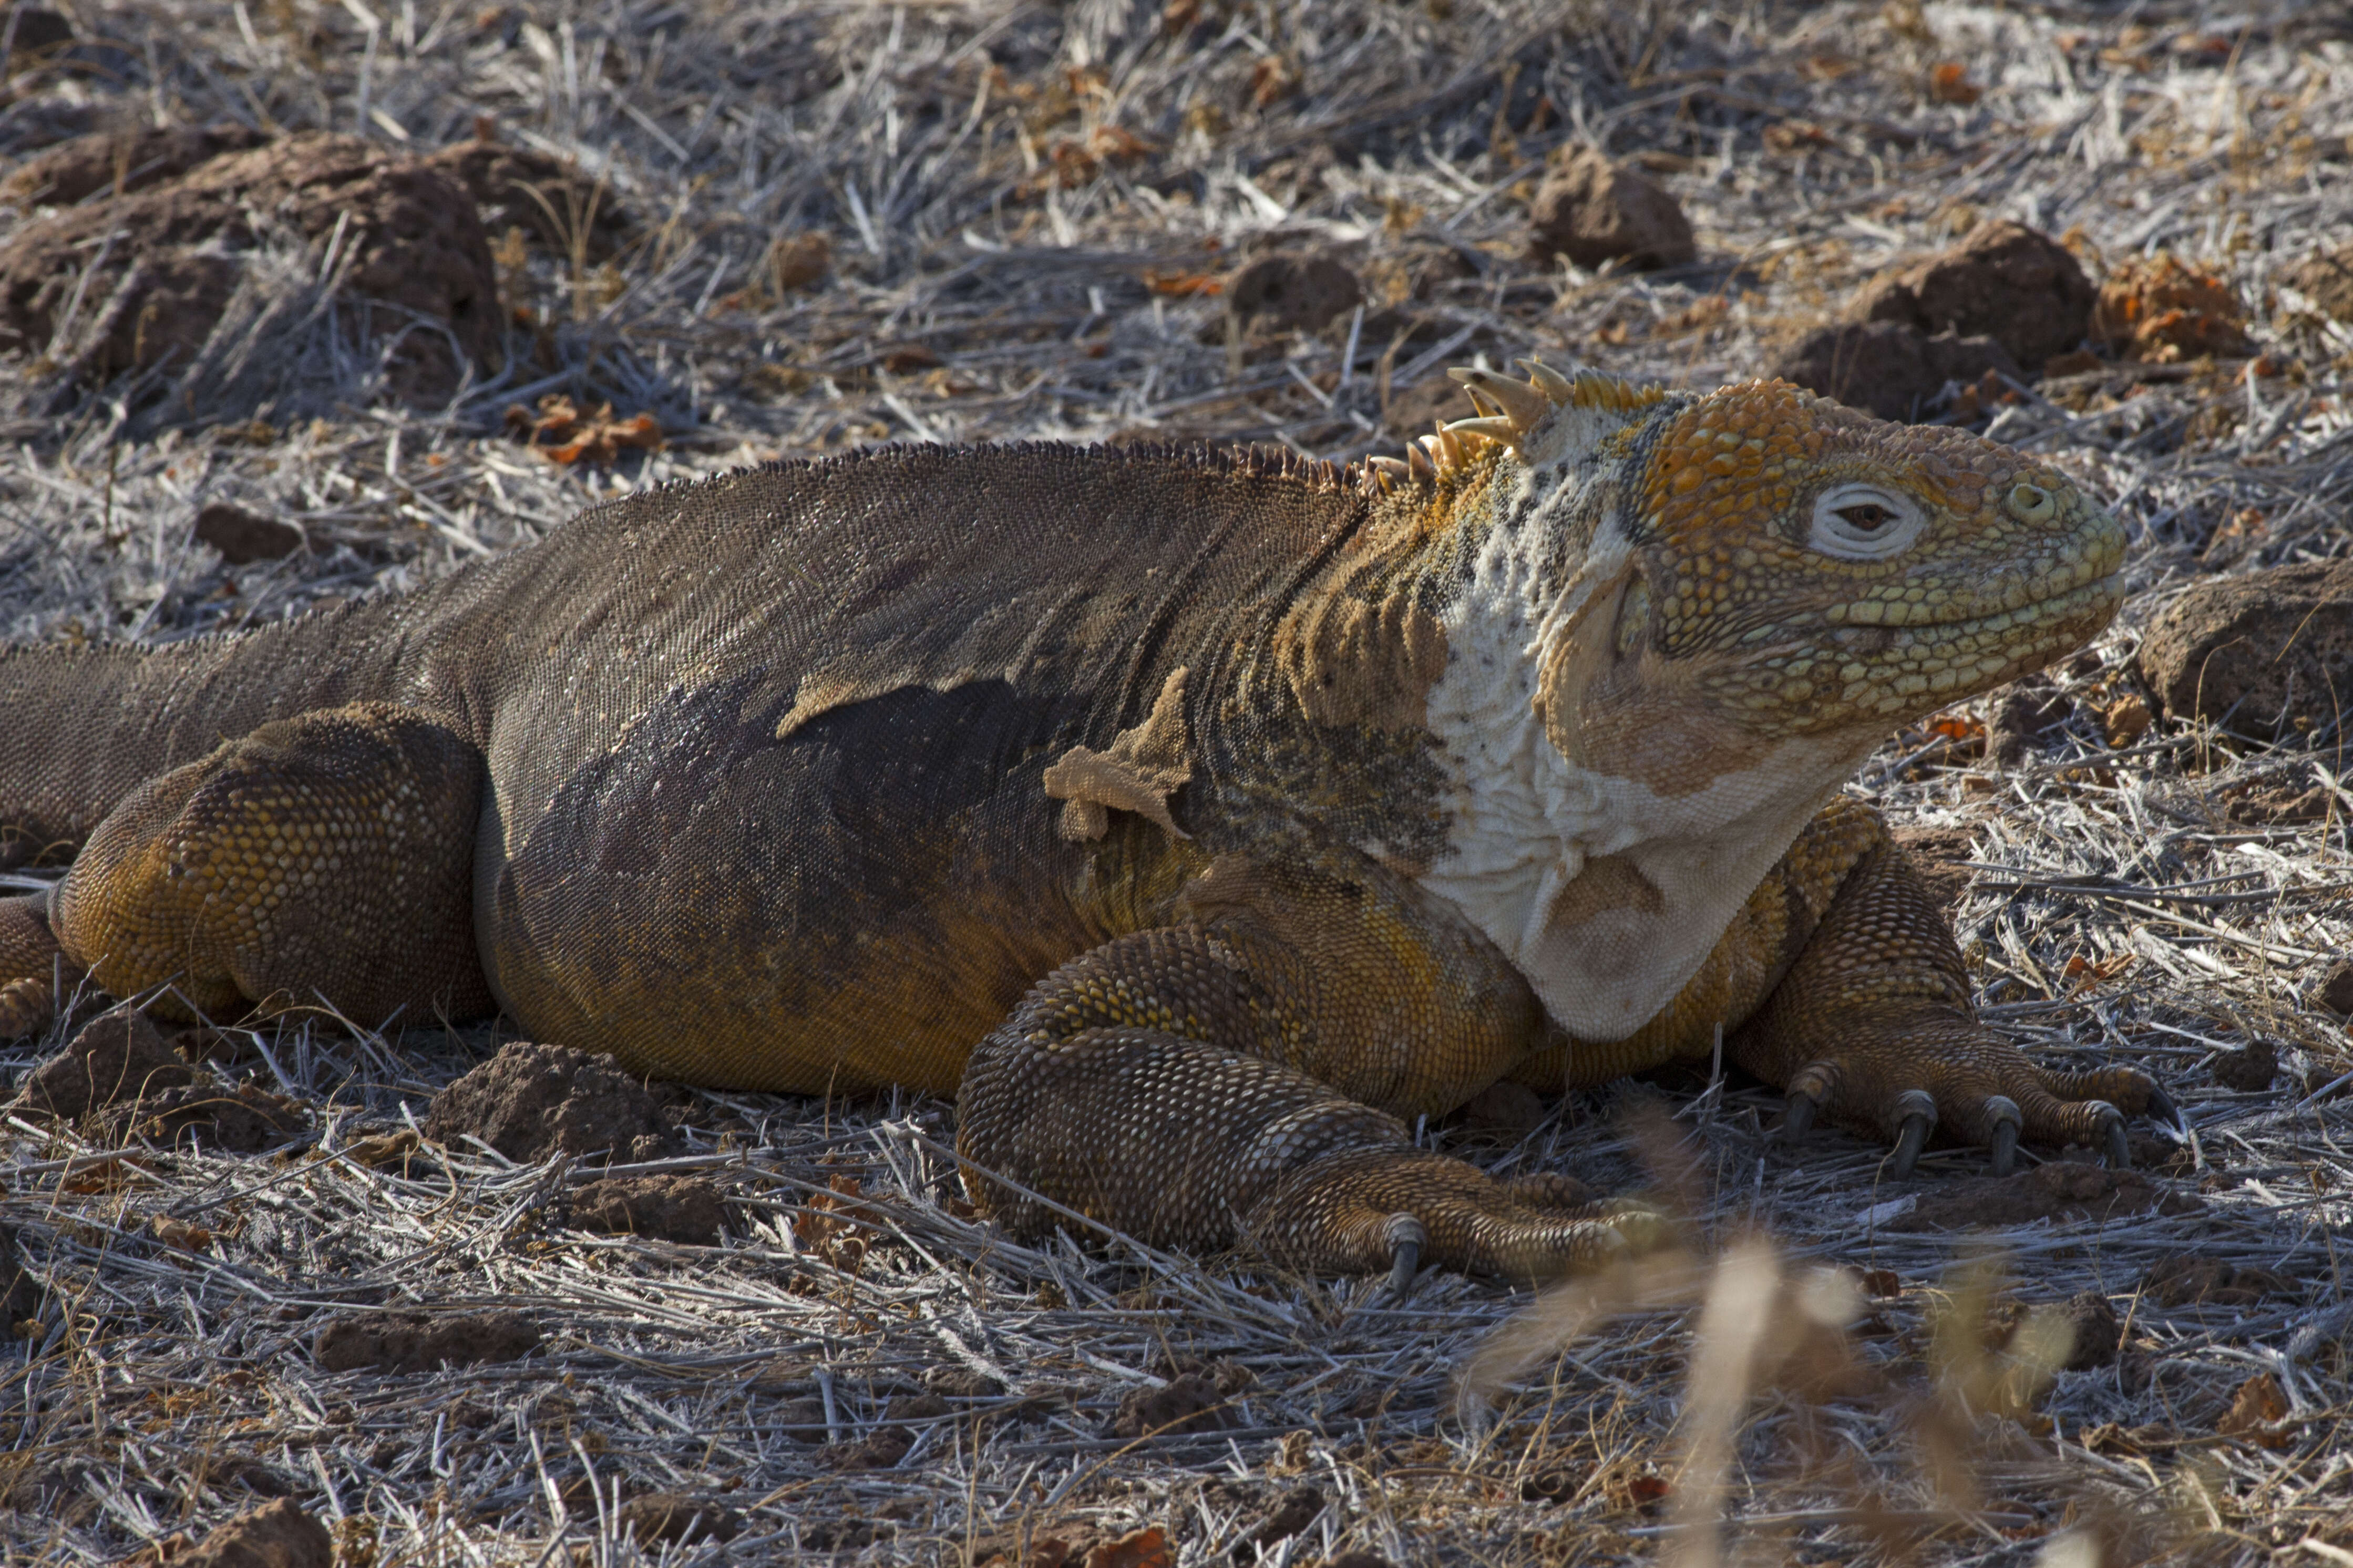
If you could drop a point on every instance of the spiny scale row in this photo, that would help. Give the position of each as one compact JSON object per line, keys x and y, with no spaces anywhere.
{"x":1508,"y":410}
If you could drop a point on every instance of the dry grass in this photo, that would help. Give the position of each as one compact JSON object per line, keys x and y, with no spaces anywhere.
{"x":1001,"y":270}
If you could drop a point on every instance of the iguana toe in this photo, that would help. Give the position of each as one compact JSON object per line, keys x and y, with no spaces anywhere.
{"x":1911,"y":1080}
{"x":2001,"y":1142}
{"x":25,"y":1008}
{"x":1398,"y":1210}
{"x":1915,"y":1115}
{"x":30,"y":966}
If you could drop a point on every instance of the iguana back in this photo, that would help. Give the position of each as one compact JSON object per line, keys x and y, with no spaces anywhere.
{"x":746,"y":735}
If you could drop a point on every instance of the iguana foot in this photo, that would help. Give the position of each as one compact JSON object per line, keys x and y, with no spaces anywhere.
{"x":1915,"y":1072}
{"x":1141,"y":1086}
{"x":29,"y":966}
{"x":1368,"y":1211}
{"x":25,"y":1008}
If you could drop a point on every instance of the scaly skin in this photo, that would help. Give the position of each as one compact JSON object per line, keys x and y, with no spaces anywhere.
{"x":1198,"y":821}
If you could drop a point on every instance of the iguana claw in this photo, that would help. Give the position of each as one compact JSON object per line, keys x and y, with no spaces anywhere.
{"x":2112,"y":1136}
{"x":1915,"y":1116}
{"x":1407,"y":1238}
{"x":2001,"y":1142}
{"x":1798,"y":1116}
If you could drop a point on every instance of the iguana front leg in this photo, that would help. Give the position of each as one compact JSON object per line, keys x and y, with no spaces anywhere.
{"x":1242,"y":1080}
{"x":1872,"y":1024}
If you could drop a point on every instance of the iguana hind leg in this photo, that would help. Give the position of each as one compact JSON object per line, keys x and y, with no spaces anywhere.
{"x":326,"y":857}
{"x":1872,"y":1026}
{"x":1192,"y":1086}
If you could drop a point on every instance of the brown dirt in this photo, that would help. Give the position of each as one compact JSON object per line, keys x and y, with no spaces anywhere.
{"x":878,"y":1450}
{"x":404,"y":1342}
{"x":2003,"y":280}
{"x":1197,"y":1398}
{"x":2251,"y":1069}
{"x":38,"y":34}
{"x":1506,"y":1108}
{"x":118,"y":1055}
{"x":2327,"y":281}
{"x":1890,"y":369}
{"x":1432,"y":400}
{"x":1293,"y":292}
{"x":416,"y":242}
{"x":21,"y":1295}
{"x":2335,"y":991}
{"x":548,"y":198}
{"x":2193,"y":1280}
{"x":241,"y":1120}
{"x":530,"y":1100}
{"x":243,"y":537}
{"x":961,"y":1382}
{"x":2266,"y":653}
{"x":2023,"y":712}
{"x":1296,"y":1511}
{"x":2097,"y":1333}
{"x":275,"y":1535}
{"x":2058,"y":1190}
{"x":1592,"y":210}
{"x":671,"y":1519}
{"x":669,"y":1208}
{"x":121,"y":161}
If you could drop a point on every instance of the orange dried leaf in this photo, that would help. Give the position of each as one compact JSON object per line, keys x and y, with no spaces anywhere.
{"x":1794,"y":136}
{"x":2256,"y":1411}
{"x":1144,"y":1549}
{"x":2126,"y":721}
{"x":180,"y":1234}
{"x":107,"y":1176}
{"x":1272,"y":78}
{"x":1949,"y":83}
{"x":1183,"y":285}
{"x":1117,"y":143}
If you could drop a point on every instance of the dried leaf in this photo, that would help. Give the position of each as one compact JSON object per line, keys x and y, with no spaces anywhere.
{"x":1949,"y":83}
{"x":1144,"y":1549}
{"x":2256,"y":1411}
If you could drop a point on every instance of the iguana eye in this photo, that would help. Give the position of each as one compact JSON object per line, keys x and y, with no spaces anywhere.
{"x":1864,"y":523}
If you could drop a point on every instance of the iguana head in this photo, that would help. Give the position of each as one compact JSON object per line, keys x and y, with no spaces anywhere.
{"x":1682,"y":620}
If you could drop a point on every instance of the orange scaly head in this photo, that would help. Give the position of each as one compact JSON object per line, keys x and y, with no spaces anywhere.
{"x":1836,"y":570}
{"x":1677,"y":623}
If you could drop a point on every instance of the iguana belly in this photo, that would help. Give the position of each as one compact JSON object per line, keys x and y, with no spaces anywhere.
{"x":851,"y":907}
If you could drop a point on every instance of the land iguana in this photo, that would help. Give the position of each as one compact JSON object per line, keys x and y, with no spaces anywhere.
{"x":1197,"y":818}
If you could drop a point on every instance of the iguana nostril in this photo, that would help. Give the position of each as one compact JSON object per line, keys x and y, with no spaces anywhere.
{"x":2031,"y":503}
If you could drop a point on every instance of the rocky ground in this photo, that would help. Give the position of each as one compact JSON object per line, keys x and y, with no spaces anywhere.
{"x":304,"y":300}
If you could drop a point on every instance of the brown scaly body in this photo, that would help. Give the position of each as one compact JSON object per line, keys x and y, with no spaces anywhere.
{"x":1198,"y":819}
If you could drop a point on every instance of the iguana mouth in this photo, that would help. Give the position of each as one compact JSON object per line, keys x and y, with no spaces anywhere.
{"x":2108,"y":588}
{"x":1938,"y":608}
